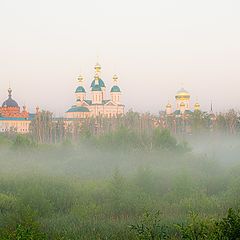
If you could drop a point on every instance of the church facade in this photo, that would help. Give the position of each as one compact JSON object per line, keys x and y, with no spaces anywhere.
{"x":98,"y":104}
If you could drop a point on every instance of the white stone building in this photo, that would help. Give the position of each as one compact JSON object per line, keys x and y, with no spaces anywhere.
{"x":98,"y":104}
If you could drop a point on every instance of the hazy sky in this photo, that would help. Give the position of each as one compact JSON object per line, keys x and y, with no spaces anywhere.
{"x":153,"y":46}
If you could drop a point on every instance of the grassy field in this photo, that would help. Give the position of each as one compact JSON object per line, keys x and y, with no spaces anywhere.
{"x":110,"y":188}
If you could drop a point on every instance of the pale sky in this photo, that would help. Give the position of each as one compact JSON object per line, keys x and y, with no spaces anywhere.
{"x":154,"y":47}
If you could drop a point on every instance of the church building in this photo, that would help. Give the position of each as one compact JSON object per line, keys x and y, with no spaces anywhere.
{"x":12,"y":118}
{"x":183,"y":105}
{"x":98,"y":104}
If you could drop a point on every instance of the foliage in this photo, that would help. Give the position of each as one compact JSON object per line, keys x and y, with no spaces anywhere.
{"x":4,"y":140}
{"x":162,"y":139}
{"x":229,"y":226}
{"x":21,"y":225}
{"x":7,"y":202}
{"x":196,"y":229}
{"x":27,"y":232}
{"x":23,"y":142}
{"x":150,"y":228}
{"x":79,"y":191}
{"x":121,"y":138}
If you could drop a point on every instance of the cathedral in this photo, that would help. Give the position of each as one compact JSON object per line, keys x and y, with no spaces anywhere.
{"x":12,"y":118}
{"x":98,"y":104}
{"x":182,"y":104}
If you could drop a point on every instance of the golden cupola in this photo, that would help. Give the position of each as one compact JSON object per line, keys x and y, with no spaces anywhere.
{"x":182,"y":104}
{"x":169,"y":105}
{"x":97,"y":68}
{"x":182,"y":94}
{"x":196,"y":106}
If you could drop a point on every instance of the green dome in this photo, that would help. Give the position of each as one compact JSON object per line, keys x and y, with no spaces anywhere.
{"x":115,"y":89}
{"x":80,"y":89}
{"x":96,"y":88}
{"x":100,"y":83}
{"x":78,"y":109}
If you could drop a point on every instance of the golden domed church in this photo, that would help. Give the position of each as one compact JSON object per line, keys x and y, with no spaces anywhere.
{"x":98,"y":104}
{"x":183,"y":105}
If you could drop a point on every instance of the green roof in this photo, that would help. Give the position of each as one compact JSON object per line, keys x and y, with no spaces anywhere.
{"x":105,"y":101}
{"x":80,"y":89}
{"x":100,"y":83}
{"x":88,"y":101}
{"x":115,"y":89}
{"x":78,"y":109}
{"x":178,"y":112}
{"x":13,"y":119}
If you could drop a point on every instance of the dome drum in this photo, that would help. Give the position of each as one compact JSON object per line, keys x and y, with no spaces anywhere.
{"x":182,"y":97}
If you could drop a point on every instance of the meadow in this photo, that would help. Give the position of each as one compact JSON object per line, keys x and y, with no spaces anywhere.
{"x":120,"y":185}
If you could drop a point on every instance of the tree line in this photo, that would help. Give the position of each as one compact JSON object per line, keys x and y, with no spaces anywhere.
{"x":47,"y":129}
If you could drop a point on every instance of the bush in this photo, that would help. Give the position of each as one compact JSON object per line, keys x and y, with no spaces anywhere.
{"x":7,"y":203}
{"x":22,"y":225}
{"x":196,"y":229}
{"x":23,"y":142}
{"x":25,"y":232}
{"x":162,"y":139}
{"x":150,"y":228}
{"x":229,"y":227}
{"x":123,"y":138}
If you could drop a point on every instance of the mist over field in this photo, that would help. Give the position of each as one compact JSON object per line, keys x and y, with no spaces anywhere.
{"x":86,"y":161}
{"x":103,"y":187}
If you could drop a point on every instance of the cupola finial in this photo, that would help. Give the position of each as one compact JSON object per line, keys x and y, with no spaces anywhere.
{"x":80,"y":79}
{"x":115,"y":79}
{"x":9,"y":92}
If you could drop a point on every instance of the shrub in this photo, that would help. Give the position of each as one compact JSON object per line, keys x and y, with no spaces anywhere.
{"x":162,"y":139}
{"x":196,"y":229}
{"x":229,"y":227}
{"x":23,"y":142}
{"x":150,"y":228}
{"x":7,"y":203}
{"x":22,"y":226}
{"x":25,"y":232}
